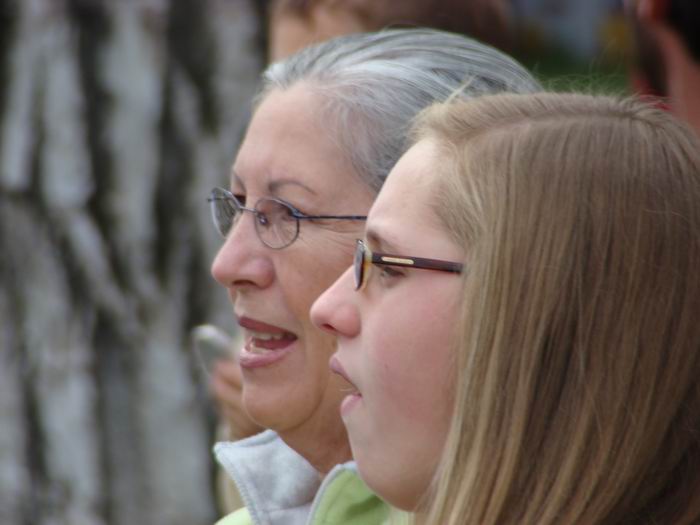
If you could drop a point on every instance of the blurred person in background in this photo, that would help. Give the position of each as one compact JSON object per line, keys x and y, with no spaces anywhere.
{"x":329,"y":124}
{"x":294,"y":24}
{"x":667,"y":38}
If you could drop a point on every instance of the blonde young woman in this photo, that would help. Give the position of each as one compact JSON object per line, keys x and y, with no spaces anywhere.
{"x":524,"y":340}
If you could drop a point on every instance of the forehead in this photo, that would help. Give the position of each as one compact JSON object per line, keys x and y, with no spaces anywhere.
{"x":288,"y":139}
{"x":403,"y":213}
{"x":407,"y":191}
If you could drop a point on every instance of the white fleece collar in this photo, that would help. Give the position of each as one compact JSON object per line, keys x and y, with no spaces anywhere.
{"x":276,"y":484}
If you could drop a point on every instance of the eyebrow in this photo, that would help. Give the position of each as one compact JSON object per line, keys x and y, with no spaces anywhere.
{"x":274,"y":186}
{"x":378,"y":243}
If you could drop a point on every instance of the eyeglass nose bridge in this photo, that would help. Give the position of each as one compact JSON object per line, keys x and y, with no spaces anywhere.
{"x":238,"y":213}
{"x":260,"y":221}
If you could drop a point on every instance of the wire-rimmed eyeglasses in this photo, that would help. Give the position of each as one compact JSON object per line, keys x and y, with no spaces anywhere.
{"x":365,"y":258}
{"x":276,"y":221}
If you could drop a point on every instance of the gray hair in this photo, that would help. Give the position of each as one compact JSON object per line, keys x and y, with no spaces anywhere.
{"x":373,"y":84}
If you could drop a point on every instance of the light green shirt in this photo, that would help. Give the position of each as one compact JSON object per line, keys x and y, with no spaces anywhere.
{"x":344,"y":500}
{"x":279,"y":487}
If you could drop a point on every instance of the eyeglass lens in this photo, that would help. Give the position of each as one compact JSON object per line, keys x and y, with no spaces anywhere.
{"x":224,"y":211}
{"x":359,"y":264}
{"x":275,"y":222}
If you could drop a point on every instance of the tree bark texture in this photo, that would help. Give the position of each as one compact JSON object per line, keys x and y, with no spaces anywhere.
{"x":116,"y":119}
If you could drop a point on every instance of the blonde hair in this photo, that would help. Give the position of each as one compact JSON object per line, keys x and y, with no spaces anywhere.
{"x":578,"y":390}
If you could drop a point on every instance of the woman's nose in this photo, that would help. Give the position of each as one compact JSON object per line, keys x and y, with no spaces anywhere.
{"x":335,"y":310}
{"x":243,"y":260}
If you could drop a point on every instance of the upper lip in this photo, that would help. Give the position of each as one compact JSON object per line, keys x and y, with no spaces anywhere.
{"x":337,"y":367}
{"x":259,"y":326}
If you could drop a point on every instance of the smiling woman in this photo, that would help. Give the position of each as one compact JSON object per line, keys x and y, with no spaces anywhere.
{"x":328,"y":126}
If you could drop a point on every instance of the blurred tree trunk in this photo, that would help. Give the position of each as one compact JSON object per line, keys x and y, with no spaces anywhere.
{"x":116,"y":119}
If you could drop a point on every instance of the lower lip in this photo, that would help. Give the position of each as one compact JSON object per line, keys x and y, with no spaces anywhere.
{"x":349,"y":402}
{"x":251,"y":360}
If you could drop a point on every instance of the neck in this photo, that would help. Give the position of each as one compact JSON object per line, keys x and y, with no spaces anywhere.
{"x":324,"y":446}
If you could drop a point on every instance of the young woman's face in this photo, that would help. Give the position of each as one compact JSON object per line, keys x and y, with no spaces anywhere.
{"x":395,"y":338}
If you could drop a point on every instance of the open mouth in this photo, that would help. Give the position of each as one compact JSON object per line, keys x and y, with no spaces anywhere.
{"x":260,"y":342}
{"x":264,"y":343}
{"x":353,"y":394}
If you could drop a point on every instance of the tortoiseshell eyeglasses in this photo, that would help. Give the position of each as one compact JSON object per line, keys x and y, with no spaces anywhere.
{"x":365,"y":258}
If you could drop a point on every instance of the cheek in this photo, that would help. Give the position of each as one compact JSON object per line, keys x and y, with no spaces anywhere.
{"x":308,"y":272}
{"x":416,"y":390}
{"x":409,"y":407}
{"x":303,"y":276}
{"x":411,"y":365}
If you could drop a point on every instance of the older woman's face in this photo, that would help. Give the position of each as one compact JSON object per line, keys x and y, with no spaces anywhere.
{"x":287,"y":154}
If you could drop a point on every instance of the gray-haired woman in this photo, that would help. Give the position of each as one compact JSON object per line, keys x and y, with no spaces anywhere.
{"x":329,"y":124}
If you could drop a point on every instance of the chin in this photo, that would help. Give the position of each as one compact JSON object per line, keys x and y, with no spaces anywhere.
{"x":268,"y":408}
{"x":387,"y":492}
{"x":391,"y":485}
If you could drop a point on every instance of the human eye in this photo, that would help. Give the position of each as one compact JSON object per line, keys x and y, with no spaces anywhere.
{"x":389,"y":273}
{"x":288,"y":214}
{"x":240,"y":197}
{"x":279,"y":211}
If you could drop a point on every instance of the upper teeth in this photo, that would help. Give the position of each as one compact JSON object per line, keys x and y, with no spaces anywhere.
{"x":266,"y":336}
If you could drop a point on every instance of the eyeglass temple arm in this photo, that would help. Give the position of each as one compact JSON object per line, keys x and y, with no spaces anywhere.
{"x":347,"y":217}
{"x":416,"y":262}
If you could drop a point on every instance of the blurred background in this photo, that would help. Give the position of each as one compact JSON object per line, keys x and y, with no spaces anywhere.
{"x":116,"y":119}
